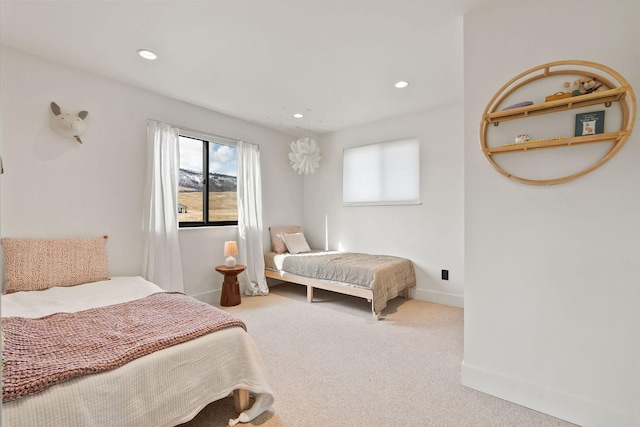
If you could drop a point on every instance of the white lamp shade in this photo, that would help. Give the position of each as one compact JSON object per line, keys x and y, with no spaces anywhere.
{"x":230,"y":248}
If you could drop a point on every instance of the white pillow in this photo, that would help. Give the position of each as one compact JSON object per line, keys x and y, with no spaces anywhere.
{"x":296,"y":243}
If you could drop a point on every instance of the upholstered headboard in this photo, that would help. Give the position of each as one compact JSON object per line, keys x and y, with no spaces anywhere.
{"x":37,"y":264}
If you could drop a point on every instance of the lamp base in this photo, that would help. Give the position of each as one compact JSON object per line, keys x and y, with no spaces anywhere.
{"x":230,"y":262}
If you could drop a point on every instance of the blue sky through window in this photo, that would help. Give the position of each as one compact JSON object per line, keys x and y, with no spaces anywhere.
{"x":222,"y":158}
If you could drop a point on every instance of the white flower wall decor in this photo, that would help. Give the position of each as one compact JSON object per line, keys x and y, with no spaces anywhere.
{"x":305,"y":155}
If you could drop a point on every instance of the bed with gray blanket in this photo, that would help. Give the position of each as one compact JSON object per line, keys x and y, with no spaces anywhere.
{"x":378,"y":278}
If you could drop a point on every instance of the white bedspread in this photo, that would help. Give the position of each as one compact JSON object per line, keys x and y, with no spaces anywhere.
{"x":164,"y":388}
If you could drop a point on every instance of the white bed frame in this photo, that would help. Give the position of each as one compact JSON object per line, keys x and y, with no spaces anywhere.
{"x":339,"y":287}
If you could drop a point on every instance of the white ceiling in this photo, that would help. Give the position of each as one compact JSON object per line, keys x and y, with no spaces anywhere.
{"x":335,"y":61}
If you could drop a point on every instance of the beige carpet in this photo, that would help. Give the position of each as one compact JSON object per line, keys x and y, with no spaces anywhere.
{"x":331,"y":364}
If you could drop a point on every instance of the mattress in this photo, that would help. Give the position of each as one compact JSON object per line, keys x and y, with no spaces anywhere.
{"x":164,"y":388}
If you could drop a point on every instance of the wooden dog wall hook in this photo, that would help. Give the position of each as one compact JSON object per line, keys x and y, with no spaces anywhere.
{"x":68,"y":124}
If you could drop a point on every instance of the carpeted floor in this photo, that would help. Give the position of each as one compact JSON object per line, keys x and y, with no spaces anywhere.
{"x":331,"y":364}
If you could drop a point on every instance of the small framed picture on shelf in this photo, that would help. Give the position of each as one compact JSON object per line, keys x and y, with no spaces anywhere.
{"x":590,"y":123}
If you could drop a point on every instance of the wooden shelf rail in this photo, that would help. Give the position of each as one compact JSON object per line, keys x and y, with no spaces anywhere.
{"x":618,"y":91}
{"x":603,"y":97}
{"x":558,"y":142}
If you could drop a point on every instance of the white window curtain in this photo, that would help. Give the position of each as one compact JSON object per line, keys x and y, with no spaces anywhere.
{"x":161,"y":263}
{"x":254,"y":281}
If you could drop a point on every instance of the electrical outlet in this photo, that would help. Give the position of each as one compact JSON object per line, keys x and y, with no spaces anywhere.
{"x":445,"y":274}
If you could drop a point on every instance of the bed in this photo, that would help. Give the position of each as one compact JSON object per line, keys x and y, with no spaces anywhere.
{"x":167,"y":380}
{"x":377,"y":278}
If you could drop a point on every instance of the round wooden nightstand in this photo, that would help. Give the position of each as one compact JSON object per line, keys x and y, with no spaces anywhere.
{"x":230,"y":295}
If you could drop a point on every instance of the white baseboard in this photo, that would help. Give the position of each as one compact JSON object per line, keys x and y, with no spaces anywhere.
{"x":439,"y":298}
{"x":211,"y":297}
{"x":561,"y":405}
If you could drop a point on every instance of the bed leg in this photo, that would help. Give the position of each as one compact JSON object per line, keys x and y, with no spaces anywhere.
{"x":406,"y":293}
{"x":309,"y":293}
{"x":241,"y":400}
{"x":376,"y":316}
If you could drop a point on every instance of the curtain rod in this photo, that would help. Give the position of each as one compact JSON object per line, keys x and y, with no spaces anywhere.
{"x":207,"y":134}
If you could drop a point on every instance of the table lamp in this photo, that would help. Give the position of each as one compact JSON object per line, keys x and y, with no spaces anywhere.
{"x":230,"y":250}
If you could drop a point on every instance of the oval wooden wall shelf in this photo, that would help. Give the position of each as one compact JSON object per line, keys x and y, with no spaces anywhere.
{"x":614,"y":89}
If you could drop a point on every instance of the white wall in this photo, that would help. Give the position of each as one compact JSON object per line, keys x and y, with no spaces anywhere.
{"x":54,"y":187}
{"x":552,"y":273}
{"x":430,"y":234}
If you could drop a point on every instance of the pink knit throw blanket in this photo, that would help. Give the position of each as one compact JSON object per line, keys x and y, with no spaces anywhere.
{"x":39,"y":353}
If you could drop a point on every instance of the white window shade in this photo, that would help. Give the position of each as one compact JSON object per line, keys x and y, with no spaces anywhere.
{"x":383,"y":173}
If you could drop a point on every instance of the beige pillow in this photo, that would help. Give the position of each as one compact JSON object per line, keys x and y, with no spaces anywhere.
{"x":277,"y":243}
{"x":296,"y":243}
{"x":37,"y":264}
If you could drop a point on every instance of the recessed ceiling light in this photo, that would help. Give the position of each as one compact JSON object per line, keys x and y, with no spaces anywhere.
{"x":298,"y":116}
{"x":401,"y":84}
{"x":147,"y":54}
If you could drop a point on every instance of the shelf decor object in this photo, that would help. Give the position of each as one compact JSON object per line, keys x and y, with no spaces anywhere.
{"x":589,"y":123}
{"x":615,"y":89}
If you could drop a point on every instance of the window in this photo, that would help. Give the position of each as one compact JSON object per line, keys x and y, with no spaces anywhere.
{"x":384,"y":173}
{"x":211,"y":200}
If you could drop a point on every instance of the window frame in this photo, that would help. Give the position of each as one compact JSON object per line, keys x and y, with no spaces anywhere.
{"x":206,"y":139}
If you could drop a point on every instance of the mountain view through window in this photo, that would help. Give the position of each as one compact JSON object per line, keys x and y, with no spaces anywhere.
{"x":200,"y":158}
